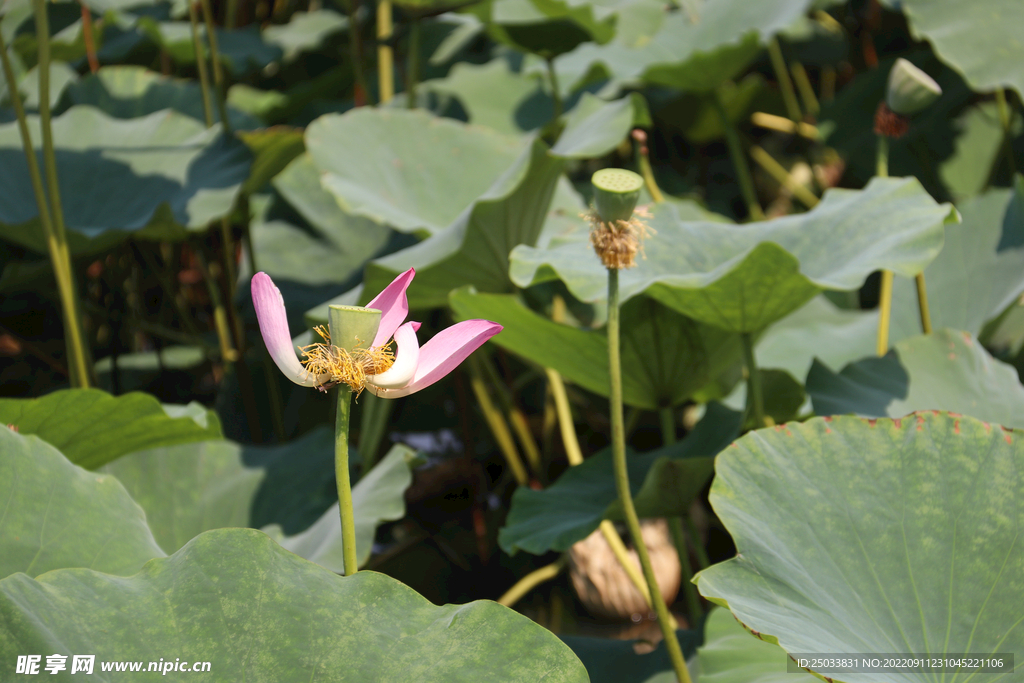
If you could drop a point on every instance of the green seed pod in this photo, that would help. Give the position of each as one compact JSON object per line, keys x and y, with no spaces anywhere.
{"x":353,"y":327}
{"x":616,"y":192}
{"x":910,"y":89}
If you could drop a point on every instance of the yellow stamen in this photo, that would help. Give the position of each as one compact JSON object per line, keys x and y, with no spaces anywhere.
{"x":343,"y":366}
{"x":617,"y":242}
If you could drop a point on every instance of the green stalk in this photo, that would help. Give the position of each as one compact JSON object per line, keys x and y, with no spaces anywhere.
{"x":785,"y":82}
{"x":885,"y":290}
{"x":739,"y":160}
{"x":803,"y":84}
{"x":675,"y":652}
{"x":755,"y":395}
{"x":668,"y":425}
{"x":79,"y":362}
{"x":1006,"y":119}
{"x":204,"y":78}
{"x":531,"y":581}
{"x":348,"y":524}
{"x":355,"y":48}
{"x":218,"y":68}
{"x":385,"y":55}
{"x":412,"y":71}
{"x":231,"y":15}
{"x":556,"y":96}
{"x":693,"y":606}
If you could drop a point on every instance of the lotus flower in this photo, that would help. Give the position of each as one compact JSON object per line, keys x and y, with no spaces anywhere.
{"x":390,"y":375}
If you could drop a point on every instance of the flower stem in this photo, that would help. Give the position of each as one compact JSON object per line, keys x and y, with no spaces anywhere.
{"x":755,"y":395}
{"x":385,"y":55}
{"x":496,"y":422}
{"x":218,"y":68}
{"x":675,"y":525}
{"x":668,"y":425}
{"x":88,"y":39}
{"x":885,"y":289}
{"x":739,"y":160}
{"x":1006,"y":119}
{"x":569,"y":439}
{"x":785,"y":82}
{"x":675,"y":652}
{"x":355,"y":48}
{"x":348,"y":523}
{"x":204,"y":78}
{"x":556,"y":97}
{"x":79,"y":363}
{"x":531,"y":581}
{"x":784,"y":178}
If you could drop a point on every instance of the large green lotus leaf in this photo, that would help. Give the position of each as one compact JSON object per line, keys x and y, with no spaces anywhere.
{"x":848,"y":529}
{"x":408,"y":169}
{"x":355,"y":237}
{"x":745,"y":278}
{"x":946,"y":370}
{"x":243,"y":51}
{"x":571,"y":508}
{"x":273,"y":149}
{"x":127,"y":92}
{"x":594,"y":127}
{"x":819,"y":329}
{"x":976,"y":148}
{"x":546,"y":27}
{"x":58,"y":515}
{"x":982,"y":44}
{"x":474,"y":249}
{"x":666,"y":357}
{"x":304,"y":32}
{"x":260,"y":613}
{"x":696,"y":49}
{"x":490,"y":93}
{"x":730,"y":654}
{"x":979,"y":272}
{"x":154,"y":176}
{"x":188,"y":489}
{"x":377,"y":497}
{"x":92,"y":428}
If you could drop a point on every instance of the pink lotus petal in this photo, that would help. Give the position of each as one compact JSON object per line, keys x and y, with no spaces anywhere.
{"x":393,"y":305}
{"x":269,"y":303}
{"x":444,"y":352}
{"x":407,"y":358}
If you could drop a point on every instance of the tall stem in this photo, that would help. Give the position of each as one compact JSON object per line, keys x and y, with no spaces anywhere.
{"x":348,"y":524}
{"x":89,"y":39}
{"x":675,"y":652}
{"x":668,"y":425}
{"x":675,"y":525}
{"x":739,"y":160}
{"x":785,"y":82}
{"x":412,"y":71}
{"x":204,"y":78}
{"x":355,"y":49}
{"x":755,"y":395}
{"x":1006,"y":119}
{"x":556,"y":96}
{"x":885,"y":290}
{"x":385,"y":55}
{"x":218,"y":68}
{"x":79,"y":363}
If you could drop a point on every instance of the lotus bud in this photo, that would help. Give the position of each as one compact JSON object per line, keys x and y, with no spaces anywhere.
{"x":616,"y":192}
{"x":910,"y":89}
